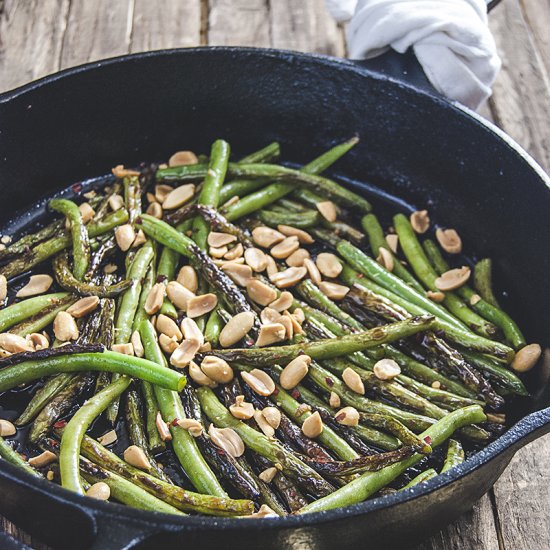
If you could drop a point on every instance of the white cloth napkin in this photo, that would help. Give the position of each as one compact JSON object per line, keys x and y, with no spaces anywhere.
{"x":450,"y":38}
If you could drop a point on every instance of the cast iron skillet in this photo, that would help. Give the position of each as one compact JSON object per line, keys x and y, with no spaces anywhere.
{"x":425,"y":150}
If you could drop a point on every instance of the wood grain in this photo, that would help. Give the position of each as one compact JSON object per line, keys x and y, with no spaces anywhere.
{"x":31,"y":37}
{"x":305,"y":26}
{"x":537,"y":16}
{"x":474,"y":530}
{"x":165,"y":24}
{"x":522,"y":497}
{"x":521,"y":98}
{"x":96,"y":30}
{"x":239,"y":23}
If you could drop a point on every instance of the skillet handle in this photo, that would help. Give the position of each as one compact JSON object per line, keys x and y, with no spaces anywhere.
{"x":114,"y":533}
{"x":403,"y":67}
{"x":528,"y":429}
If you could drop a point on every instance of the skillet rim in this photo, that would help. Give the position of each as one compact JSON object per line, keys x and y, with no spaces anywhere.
{"x":521,"y":430}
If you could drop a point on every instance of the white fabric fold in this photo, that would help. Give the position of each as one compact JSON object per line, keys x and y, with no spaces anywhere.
{"x":450,"y":38}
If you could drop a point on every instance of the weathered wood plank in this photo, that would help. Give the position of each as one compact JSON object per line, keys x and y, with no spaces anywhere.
{"x":165,"y":24}
{"x":521,"y":98}
{"x":238,"y":23}
{"x":475,"y":529}
{"x":522,"y":496}
{"x":305,"y":26}
{"x":537,"y":15}
{"x":31,"y":36}
{"x":22,"y":536}
{"x":96,"y":30}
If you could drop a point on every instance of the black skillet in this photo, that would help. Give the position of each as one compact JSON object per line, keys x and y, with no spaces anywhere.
{"x":414,"y":145}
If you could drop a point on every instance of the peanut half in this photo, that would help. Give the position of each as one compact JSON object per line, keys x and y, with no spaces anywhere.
{"x":449,"y":240}
{"x":38,"y":284}
{"x":452,"y":279}
{"x":313,"y":425}
{"x":260,"y":382}
{"x":295,"y":372}
{"x":236,"y":328}
{"x":228,"y":440}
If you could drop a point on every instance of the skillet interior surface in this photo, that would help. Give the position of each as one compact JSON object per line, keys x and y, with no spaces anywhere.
{"x":414,"y":146}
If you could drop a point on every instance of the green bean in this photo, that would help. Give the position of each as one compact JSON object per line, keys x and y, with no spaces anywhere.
{"x":46,"y":249}
{"x":365,"y":433}
{"x":213,"y":328}
{"x":396,"y":428}
{"x":302,"y":220}
{"x":106,"y":249}
{"x":308,"y":197}
{"x":166,"y":268}
{"x":24,"y":243}
{"x":108,"y":361}
{"x":106,"y":337}
{"x":60,"y":404}
{"x":241,"y":187}
{"x":132,"y":197}
{"x":399,"y":394}
{"x":129,"y":305}
{"x":483,"y":281}
{"x":389,"y":389}
{"x":24,"y":309}
{"x":170,"y":405}
{"x":455,"y":455}
{"x":275,"y":191}
{"x":65,"y":279}
{"x":419,"y":370}
{"x":329,"y":383}
{"x":210,"y":193}
{"x":156,"y":444}
{"x":330,"y":439}
{"x":136,"y":432}
{"x":426,"y":374}
{"x":42,"y":319}
{"x":503,"y":375}
{"x":79,"y":235}
{"x":421,"y":478}
{"x":424,"y":271}
{"x":265,"y":154}
{"x":13,"y":457}
{"x":291,"y":466}
{"x":449,"y":325}
{"x":371,"y":482}
{"x":372,"y":269}
{"x":314,"y":297}
{"x":328,"y":347}
{"x":327,"y":159}
{"x":407,"y":364}
{"x":76,"y":428}
{"x":178,"y":497}
{"x":245,"y":186}
{"x":130,"y":299}
{"x":145,"y":287}
{"x":441,"y":397}
{"x":494,"y":314}
{"x":168,"y":236}
{"x":125,"y":491}
{"x":375,"y":233}
{"x":212,"y":274}
{"x":43,"y":396}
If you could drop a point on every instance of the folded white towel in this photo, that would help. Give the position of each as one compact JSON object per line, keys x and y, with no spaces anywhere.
{"x":450,"y":38}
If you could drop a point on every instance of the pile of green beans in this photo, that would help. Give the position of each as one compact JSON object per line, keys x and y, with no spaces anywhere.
{"x":168,"y":278}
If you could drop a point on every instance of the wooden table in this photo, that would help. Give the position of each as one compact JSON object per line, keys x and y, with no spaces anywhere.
{"x":38,"y":37}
